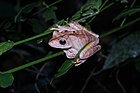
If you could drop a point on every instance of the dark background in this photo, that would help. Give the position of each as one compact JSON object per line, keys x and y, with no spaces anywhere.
{"x":125,"y":79}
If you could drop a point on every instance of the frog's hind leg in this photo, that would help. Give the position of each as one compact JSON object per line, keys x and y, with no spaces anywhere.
{"x":89,"y":50}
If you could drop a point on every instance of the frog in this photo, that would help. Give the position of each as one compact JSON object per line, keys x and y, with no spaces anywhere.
{"x":72,"y":38}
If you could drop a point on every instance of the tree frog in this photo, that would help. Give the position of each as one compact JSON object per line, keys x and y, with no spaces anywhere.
{"x":72,"y":38}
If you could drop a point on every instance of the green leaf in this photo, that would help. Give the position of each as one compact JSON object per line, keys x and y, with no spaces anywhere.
{"x":49,"y":14}
{"x":89,"y":12}
{"x":61,"y":22}
{"x":64,"y":68}
{"x":68,"y":64}
{"x":129,"y":47}
{"x":90,"y":9}
{"x":88,"y":26}
{"x":95,"y":3}
{"x":127,"y":12}
{"x":6,"y":79}
{"x":26,"y":9}
{"x":36,"y":26}
{"x":5,"y":46}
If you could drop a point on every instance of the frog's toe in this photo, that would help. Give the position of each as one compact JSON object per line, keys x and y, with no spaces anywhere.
{"x":78,"y":62}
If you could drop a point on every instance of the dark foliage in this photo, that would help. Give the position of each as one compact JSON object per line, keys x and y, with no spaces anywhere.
{"x":24,"y":35}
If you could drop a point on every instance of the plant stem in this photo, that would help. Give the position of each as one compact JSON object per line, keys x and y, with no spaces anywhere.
{"x":31,"y":38}
{"x":106,"y":7}
{"x":84,"y":18}
{"x":59,"y":53}
{"x":103,"y":4}
{"x":46,"y":7}
{"x":33,"y":63}
{"x":119,"y":28}
{"x":100,"y":11}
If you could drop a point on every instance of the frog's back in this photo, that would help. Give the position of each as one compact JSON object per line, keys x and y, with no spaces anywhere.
{"x":80,"y":39}
{"x":84,"y":33}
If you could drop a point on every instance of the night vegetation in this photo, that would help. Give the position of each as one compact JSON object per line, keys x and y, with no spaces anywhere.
{"x":29,"y":65}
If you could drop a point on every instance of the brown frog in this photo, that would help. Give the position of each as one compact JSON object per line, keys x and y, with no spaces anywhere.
{"x":72,"y":38}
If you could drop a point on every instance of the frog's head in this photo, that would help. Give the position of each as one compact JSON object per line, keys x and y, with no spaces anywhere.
{"x":59,"y":40}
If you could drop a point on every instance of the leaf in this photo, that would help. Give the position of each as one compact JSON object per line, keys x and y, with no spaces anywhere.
{"x":89,"y":12}
{"x":76,"y":15}
{"x":26,"y":9}
{"x":36,"y":26}
{"x":88,"y":26}
{"x":90,"y":9}
{"x":5,"y":46}
{"x":95,"y":3}
{"x":129,"y":47}
{"x":62,"y":22}
{"x":68,"y":64}
{"x":6,"y":79}
{"x":64,"y":68}
{"x":49,"y":14}
{"x":127,"y":12}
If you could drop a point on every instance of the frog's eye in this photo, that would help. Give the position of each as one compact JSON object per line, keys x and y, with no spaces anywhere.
{"x":62,"y":41}
{"x":65,"y":30}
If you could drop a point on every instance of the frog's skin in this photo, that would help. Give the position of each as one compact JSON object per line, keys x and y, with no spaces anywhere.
{"x":72,"y":38}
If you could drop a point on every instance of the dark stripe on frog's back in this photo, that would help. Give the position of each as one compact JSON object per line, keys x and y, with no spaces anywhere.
{"x":84,"y":38}
{"x":89,"y":37}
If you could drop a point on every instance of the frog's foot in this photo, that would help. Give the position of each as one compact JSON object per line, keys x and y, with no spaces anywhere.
{"x":78,"y":62}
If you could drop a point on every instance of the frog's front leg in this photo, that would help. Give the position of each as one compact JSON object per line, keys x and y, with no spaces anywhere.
{"x":88,"y":51}
{"x":71,"y":53}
